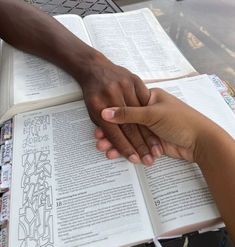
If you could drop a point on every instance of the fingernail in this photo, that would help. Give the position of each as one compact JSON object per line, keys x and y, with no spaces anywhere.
{"x":134,"y":159}
{"x":156,"y":151}
{"x":147,"y":160}
{"x":108,"y":114}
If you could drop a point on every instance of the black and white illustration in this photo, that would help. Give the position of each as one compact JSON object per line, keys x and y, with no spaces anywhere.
{"x":35,"y":215}
{"x":35,"y":131}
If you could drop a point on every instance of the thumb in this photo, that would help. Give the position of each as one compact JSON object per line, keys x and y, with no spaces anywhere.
{"x":121,"y":115}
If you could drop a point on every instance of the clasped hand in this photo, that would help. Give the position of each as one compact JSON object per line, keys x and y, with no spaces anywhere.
{"x":109,"y":85}
{"x":178,"y":126}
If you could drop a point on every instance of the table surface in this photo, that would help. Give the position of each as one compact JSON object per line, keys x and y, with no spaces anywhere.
{"x":78,"y":7}
{"x":204,"y":31}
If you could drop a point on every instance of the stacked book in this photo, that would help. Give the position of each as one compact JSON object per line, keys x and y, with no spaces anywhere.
{"x":5,"y":183}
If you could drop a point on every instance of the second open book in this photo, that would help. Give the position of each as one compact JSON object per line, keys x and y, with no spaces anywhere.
{"x":65,"y":193}
{"x":134,"y":40}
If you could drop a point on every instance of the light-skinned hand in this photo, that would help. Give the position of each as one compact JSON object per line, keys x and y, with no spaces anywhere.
{"x":177,"y":125}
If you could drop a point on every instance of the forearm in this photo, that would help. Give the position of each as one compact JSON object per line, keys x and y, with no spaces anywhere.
{"x":33,"y":31}
{"x":216,"y":158}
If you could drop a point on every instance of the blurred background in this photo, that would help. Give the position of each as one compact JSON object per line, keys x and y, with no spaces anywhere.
{"x":204,"y":31}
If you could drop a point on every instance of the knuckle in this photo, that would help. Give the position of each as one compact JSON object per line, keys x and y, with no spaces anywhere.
{"x":161,"y":91}
{"x":136,"y":78}
{"x":162,"y":94}
{"x":111,"y":87}
{"x":129,"y":129}
{"x":126,"y":84}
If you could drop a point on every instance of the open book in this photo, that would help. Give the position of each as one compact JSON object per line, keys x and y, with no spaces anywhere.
{"x":65,"y":193}
{"x":134,"y":40}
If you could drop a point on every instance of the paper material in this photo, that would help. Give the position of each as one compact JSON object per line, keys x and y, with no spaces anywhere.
{"x":6,"y":177}
{"x":220,"y":86}
{"x":30,"y":83}
{"x":136,"y":41}
{"x":180,"y":193}
{"x":4,"y":236}
{"x":5,"y":209}
{"x":216,"y":227}
{"x":81,"y":196}
{"x":7,"y":151}
{"x":156,"y":242}
{"x":87,"y":199}
{"x":1,"y":155}
{"x":200,"y":93}
{"x":146,"y":51}
{"x":35,"y":79}
{"x":6,"y":131}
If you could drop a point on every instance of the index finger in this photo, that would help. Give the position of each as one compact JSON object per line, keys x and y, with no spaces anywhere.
{"x":114,"y":134}
{"x":142,"y":92}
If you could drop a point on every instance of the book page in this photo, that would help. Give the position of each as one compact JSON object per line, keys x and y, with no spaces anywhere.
{"x":136,"y":41}
{"x":36,"y":79}
{"x":60,"y":180}
{"x":181,"y":201}
{"x":5,"y":77}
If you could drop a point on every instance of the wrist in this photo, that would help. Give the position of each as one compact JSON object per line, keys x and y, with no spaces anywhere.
{"x":210,"y":142}
{"x":79,"y":59}
{"x":86,"y":66}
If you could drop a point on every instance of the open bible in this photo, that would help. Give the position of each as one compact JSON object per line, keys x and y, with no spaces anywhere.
{"x":134,"y":40}
{"x":65,"y":193}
